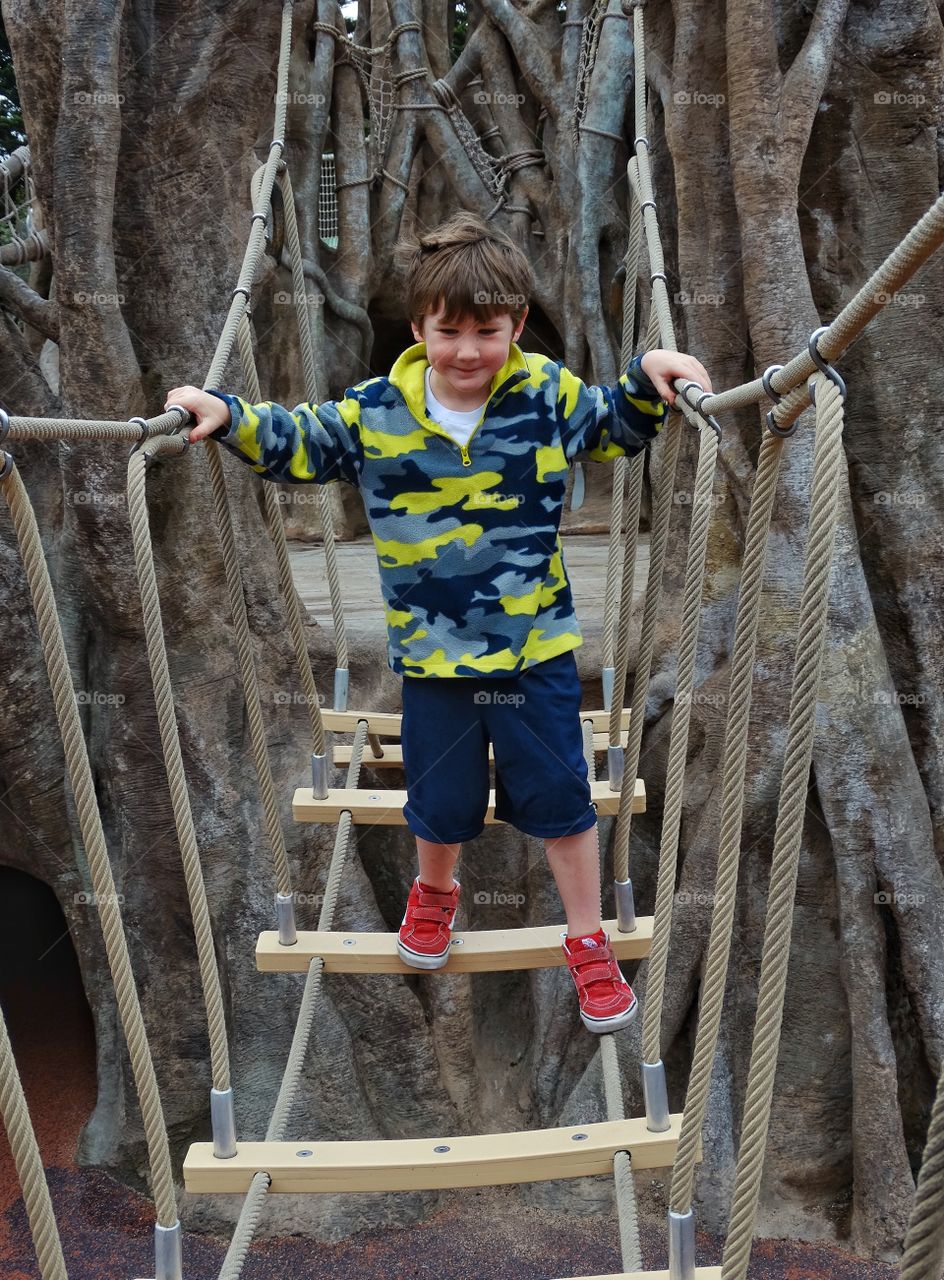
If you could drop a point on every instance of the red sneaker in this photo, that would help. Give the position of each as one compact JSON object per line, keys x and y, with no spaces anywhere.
{"x":606,"y":998}
{"x":424,"y":938}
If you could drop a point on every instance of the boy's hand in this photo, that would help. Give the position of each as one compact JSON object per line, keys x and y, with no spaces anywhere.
{"x":661,"y":367}
{"x":210,"y":411}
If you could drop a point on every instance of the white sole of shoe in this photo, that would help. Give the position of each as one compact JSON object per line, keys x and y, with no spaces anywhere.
{"x":416,"y":960}
{"x":610,"y":1024}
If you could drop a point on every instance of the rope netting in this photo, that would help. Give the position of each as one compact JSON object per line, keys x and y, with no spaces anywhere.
{"x":158,"y":436}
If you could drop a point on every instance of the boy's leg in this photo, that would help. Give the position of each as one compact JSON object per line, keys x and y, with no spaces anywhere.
{"x":437,"y":863}
{"x":575,"y":862}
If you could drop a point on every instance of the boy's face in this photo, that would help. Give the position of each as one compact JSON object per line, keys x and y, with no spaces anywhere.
{"x":467,"y":354}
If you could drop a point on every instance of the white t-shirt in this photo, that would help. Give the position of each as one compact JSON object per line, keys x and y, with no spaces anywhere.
{"x":460,"y":423}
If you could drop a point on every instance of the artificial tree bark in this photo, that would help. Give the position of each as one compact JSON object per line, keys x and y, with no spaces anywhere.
{"x":781,"y":182}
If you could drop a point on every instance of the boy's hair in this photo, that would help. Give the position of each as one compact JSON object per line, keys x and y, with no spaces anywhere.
{"x":471,"y":268}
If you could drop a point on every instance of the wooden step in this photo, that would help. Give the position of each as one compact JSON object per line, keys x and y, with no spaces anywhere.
{"x":388,"y":722}
{"x":393,"y":752}
{"x":385,"y":806}
{"x":701,"y":1273}
{"x":413,"y":1164}
{"x":478,"y":951}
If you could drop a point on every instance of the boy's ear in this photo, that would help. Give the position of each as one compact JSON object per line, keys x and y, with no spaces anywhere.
{"x":519,"y":328}
{"x":416,"y":333}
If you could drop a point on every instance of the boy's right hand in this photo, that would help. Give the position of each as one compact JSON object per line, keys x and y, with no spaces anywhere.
{"x":210,"y":411}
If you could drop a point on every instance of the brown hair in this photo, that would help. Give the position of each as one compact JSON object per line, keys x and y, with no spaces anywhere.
{"x":471,"y":268}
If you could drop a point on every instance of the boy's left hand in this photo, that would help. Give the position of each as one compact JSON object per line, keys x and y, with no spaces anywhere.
{"x":661,"y":367}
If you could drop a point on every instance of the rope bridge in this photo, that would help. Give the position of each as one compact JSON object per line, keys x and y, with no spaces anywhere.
{"x":619,"y":1144}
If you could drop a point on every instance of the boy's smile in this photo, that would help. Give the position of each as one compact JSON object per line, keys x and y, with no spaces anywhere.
{"x":466,"y":355}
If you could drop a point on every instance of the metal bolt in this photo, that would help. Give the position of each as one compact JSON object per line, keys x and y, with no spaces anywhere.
{"x":304,"y":1153}
{"x":439,"y":1150}
{"x":578,"y":1137}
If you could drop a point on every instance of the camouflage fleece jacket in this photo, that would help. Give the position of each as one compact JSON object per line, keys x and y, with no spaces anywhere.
{"x":467,"y":536}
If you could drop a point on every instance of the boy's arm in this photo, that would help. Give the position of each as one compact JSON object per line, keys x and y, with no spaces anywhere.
{"x":609,"y":422}
{"x":310,"y":444}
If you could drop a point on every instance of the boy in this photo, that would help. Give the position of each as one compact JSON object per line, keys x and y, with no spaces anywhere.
{"x":461,"y":456}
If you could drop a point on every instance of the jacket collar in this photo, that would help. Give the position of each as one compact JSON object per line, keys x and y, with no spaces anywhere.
{"x":408,"y":375}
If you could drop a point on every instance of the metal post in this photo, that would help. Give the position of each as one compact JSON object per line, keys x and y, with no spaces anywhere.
{"x":681,"y":1245}
{"x":223,"y":1123}
{"x":656,"y":1097}
{"x":614,"y":760}
{"x":319,"y":776}
{"x":340,"y":688}
{"x":625,"y":906}
{"x":168,"y":1264}
{"x":285,"y":915}
{"x":609,"y":675}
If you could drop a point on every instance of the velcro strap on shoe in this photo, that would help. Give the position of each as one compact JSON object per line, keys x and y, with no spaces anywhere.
{"x":436,"y":900}
{"x":428,"y":913}
{"x":594,"y":973}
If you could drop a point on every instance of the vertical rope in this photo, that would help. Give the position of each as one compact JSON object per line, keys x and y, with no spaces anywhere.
{"x":732,"y":805}
{"x":311,"y":390}
{"x":631,"y":270}
{"x":662,"y":331}
{"x":630,"y":1246}
{"x":276,"y":530}
{"x":93,"y":837}
{"x":174,"y":766}
{"x":924,"y":1240}
{"x":29,"y":1166}
{"x":662,"y":513}
{"x":824,"y":505}
{"x":678,"y":744}
{"x":251,"y":1211}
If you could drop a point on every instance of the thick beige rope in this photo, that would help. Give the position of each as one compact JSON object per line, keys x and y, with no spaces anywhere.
{"x":275,"y":526}
{"x":93,"y":837}
{"x":678,"y":745}
{"x":323,"y":504}
{"x":251,"y":1211}
{"x":29,"y":1166}
{"x":661,"y":319}
{"x":630,"y":1246}
{"x":620,"y":468}
{"x":924,"y":1241}
{"x":729,"y":850}
{"x":174,"y":765}
{"x":626,"y":1208}
{"x":824,"y":507}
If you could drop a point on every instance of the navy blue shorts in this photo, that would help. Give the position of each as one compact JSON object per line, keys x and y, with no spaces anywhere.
{"x":532,"y":721}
